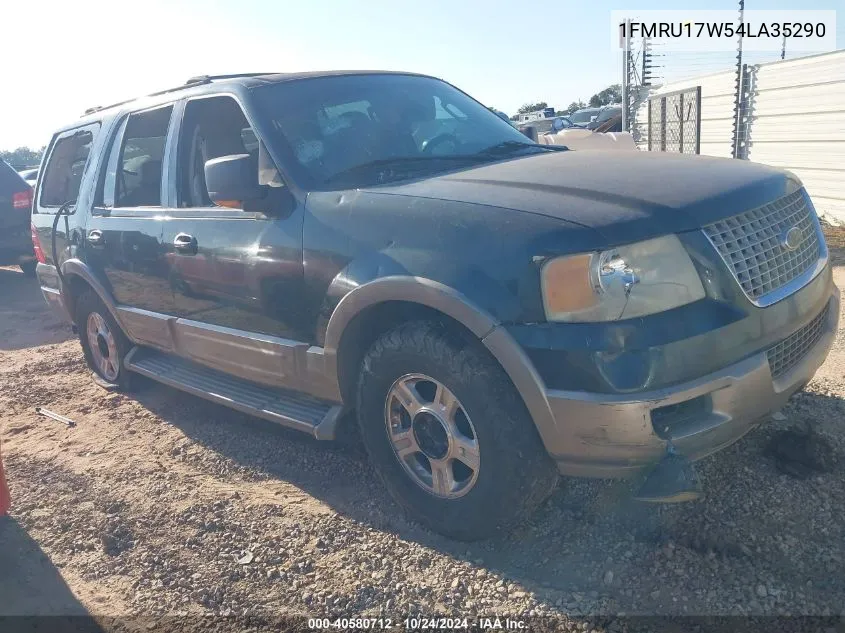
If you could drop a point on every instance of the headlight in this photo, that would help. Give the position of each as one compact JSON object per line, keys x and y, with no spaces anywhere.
{"x":621,"y":283}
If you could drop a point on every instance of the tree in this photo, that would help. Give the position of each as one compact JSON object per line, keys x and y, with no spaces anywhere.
{"x":22,"y":157}
{"x":575,"y":105}
{"x":611,"y":94}
{"x":532,"y":107}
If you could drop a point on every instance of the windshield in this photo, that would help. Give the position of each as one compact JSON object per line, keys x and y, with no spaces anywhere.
{"x":583,"y":116}
{"x":356,"y":130}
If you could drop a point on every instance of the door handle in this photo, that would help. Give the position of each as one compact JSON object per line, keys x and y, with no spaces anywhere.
{"x":95,"y":237}
{"x":185,"y":244}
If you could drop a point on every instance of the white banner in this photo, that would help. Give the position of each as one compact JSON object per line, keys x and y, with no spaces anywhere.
{"x":808,"y":31}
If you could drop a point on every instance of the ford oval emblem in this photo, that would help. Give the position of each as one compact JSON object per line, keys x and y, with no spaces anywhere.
{"x":791,"y":238}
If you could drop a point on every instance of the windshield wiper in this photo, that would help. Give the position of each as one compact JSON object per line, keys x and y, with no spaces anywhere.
{"x":401,"y":166}
{"x":512,"y":147}
{"x":404,"y":163}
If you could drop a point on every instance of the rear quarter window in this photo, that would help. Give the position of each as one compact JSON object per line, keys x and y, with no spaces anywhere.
{"x":66,"y":166}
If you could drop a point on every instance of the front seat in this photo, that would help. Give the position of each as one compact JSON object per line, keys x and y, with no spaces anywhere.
{"x":148,"y":192}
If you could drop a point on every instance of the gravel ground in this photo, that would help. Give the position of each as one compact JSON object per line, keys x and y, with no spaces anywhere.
{"x":164,"y":504}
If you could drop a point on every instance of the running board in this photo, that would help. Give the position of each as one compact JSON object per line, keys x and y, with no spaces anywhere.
{"x":288,"y":408}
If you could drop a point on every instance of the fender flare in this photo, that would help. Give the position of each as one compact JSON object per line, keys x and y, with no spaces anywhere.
{"x":442,"y":298}
{"x":77,"y":268}
{"x":432,"y":294}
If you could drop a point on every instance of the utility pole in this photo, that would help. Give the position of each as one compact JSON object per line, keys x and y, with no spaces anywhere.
{"x":636,"y":78}
{"x":626,"y":75}
{"x":738,"y":87}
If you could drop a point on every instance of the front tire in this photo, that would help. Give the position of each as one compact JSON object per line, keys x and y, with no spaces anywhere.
{"x":448,"y":433}
{"x":103,"y":342}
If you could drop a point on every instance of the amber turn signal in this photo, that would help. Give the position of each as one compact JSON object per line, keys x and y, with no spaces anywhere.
{"x":566,"y":285}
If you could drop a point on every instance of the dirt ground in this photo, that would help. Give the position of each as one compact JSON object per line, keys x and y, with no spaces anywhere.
{"x":163,"y":504}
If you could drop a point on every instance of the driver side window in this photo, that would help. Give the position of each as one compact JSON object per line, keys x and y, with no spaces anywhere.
{"x":212,"y":127}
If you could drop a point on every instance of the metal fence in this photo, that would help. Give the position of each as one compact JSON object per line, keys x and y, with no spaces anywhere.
{"x":674,"y":121}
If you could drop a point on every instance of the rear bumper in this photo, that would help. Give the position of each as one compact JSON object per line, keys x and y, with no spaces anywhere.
{"x":612,"y":435}
{"x":15,"y":245}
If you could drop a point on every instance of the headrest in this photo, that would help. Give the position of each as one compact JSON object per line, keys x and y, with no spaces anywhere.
{"x":150,"y":170}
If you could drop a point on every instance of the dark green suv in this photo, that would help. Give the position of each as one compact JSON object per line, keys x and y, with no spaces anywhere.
{"x":495,"y":312}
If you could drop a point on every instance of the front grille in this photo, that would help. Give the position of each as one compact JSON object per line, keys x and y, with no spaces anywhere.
{"x":751,"y":244}
{"x":784,"y":355}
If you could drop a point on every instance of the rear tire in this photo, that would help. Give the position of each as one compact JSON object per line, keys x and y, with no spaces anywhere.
{"x":494,"y":464}
{"x":28,"y":267}
{"x":103,"y":342}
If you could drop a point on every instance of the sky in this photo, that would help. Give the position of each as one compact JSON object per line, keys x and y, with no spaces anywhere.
{"x":70,"y":55}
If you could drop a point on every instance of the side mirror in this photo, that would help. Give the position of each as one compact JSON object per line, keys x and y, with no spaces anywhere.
{"x":232,"y":180}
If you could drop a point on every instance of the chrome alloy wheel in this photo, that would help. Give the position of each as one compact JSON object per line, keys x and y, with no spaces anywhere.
{"x":432,"y":436}
{"x":103,"y":347}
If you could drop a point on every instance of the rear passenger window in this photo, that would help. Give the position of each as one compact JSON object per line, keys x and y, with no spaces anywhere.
{"x":134,"y":173}
{"x":63,"y":175}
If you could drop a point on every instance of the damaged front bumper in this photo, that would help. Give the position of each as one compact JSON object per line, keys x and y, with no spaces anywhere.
{"x":612,"y":435}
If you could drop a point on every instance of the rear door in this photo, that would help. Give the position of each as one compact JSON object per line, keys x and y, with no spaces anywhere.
{"x":123,"y":234}
{"x":68,"y":165}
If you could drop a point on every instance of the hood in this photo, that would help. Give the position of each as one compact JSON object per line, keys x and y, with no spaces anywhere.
{"x":625,"y":196}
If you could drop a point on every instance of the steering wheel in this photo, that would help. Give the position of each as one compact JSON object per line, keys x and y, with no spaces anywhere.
{"x":430,"y":144}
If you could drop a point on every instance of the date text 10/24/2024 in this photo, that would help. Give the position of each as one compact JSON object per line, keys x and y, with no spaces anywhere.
{"x":417,"y":624}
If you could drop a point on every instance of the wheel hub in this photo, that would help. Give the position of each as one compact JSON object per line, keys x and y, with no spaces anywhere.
{"x":103,"y":347}
{"x":431,"y":435}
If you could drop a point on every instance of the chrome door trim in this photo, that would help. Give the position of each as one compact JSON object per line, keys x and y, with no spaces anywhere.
{"x":269,"y":360}
{"x":260,"y":358}
{"x":147,"y":328}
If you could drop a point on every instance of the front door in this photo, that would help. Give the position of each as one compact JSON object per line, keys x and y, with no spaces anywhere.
{"x":236,"y":274}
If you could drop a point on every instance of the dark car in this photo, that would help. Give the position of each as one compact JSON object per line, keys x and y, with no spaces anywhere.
{"x":584,"y":117}
{"x":609,"y":119}
{"x":15,"y":209}
{"x":495,"y":312}
{"x":547,"y":126}
{"x":592,"y":118}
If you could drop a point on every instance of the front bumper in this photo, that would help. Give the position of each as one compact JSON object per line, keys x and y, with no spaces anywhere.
{"x":612,"y":435}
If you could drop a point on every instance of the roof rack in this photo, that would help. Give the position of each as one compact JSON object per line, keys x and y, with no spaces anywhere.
{"x":98,"y":108}
{"x":205,"y":79}
{"x":193,"y":81}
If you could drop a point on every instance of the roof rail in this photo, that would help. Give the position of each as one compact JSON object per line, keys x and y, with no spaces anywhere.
{"x":204,"y":79}
{"x":98,"y":108}
{"x":193,"y":81}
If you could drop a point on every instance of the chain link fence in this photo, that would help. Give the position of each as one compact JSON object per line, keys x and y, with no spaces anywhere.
{"x":674,"y":122}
